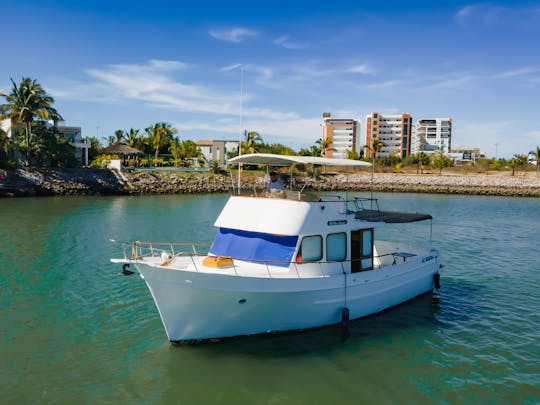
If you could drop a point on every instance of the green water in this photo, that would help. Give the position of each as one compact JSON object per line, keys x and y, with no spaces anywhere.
{"x":72,"y":330}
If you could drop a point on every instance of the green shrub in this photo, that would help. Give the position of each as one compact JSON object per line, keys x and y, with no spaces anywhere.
{"x":101,"y":160}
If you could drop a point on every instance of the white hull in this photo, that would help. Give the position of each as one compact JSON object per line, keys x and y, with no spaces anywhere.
{"x":198,"y":306}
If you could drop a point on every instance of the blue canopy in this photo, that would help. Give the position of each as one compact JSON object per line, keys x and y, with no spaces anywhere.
{"x":254,"y":246}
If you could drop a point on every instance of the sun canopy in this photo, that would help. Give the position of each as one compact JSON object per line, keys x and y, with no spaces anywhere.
{"x":284,"y":160}
{"x":390,"y":217}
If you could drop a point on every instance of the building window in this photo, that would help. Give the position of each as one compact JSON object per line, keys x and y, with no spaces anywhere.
{"x":311,"y":249}
{"x":375,"y":115}
{"x":336,"y":247}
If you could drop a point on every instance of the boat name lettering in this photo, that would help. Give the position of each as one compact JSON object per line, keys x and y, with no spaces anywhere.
{"x":338,"y":222}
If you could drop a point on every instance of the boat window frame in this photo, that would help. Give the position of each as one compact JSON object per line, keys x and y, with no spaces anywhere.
{"x":346,"y":247}
{"x":299,"y":255}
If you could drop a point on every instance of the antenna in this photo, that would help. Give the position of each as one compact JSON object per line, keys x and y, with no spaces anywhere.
{"x":240,"y":140}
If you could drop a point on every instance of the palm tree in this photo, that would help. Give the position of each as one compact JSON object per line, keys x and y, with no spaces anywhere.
{"x":374,"y":149}
{"x":252,"y":142}
{"x":133,"y":138}
{"x":4,"y":143}
{"x":325,"y":145}
{"x":536,"y":154}
{"x":177,"y":151}
{"x":26,"y":102}
{"x":423,"y":159}
{"x":119,"y":135}
{"x":160,"y":134}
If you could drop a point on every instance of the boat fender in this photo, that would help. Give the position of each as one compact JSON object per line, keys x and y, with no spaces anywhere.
{"x":125,"y":271}
{"x":345,"y":317}
{"x":437,"y":280}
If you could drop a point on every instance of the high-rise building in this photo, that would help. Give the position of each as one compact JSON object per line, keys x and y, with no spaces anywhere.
{"x":341,"y":133}
{"x":393,"y":130}
{"x":431,"y":135}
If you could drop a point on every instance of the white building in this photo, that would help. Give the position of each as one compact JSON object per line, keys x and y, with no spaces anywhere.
{"x":216,"y":150}
{"x":73,"y":134}
{"x":341,"y":132}
{"x":432,"y":134}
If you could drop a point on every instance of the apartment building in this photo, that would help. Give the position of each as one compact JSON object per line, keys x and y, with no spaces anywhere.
{"x":431,"y":135}
{"x":393,"y":130}
{"x":342,"y":134}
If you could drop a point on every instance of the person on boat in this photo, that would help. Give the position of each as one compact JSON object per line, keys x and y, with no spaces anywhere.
{"x":275,"y":183}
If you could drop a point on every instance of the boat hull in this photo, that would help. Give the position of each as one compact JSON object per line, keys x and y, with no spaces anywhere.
{"x":198,"y":306}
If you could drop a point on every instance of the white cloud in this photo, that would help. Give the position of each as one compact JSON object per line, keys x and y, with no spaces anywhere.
{"x":517,"y":72}
{"x":152,"y":84}
{"x":285,"y":42}
{"x":452,"y":83}
{"x":490,"y":15}
{"x":234,"y":35}
{"x":302,"y":130}
{"x":362,"y":69}
{"x":231,"y":67}
{"x":384,"y":85}
{"x":465,"y":13}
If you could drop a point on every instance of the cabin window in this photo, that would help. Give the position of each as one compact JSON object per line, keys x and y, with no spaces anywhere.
{"x":311,"y":248}
{"x":336,"y":247}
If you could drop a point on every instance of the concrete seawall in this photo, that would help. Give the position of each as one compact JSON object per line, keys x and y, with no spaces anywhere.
{"x":49,"y":182}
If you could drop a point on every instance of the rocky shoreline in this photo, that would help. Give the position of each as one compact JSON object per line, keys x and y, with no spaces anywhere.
{"x":51,"y":182}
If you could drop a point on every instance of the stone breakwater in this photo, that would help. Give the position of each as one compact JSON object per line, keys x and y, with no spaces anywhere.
{"x":47,"y":182}
{"x":474,"y":184}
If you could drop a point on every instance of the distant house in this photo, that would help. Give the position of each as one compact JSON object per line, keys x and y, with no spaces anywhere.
{"x":466,"y":155}
{"x":73,"y":134}
{"x":75,"y":138}
{"x":216,"y":150}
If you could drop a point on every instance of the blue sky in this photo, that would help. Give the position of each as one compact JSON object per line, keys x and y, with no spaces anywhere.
{"x":122,"y":64}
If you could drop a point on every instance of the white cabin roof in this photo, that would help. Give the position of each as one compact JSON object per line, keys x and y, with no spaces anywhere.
{"x":284,"y":216}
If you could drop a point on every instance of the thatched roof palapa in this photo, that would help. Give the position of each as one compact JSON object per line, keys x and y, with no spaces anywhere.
{"x":123,"y":150}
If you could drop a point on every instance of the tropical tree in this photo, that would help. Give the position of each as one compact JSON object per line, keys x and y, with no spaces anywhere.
{"x":133,"y":138}
{"x":536,"y":154}
{"x":351,"y":154}
{"x":440,"y":161}
{"x":160,"y":135}
{"x":517,"y":161}
{"x":252,"y":142}
{"x":313,"y":150}
{"x":182,"y":151}
{"x":276,"y":148}
{"x":26,"y":102}
{"x":118,"y":136}
{"x":95,"y":147}
{"x":418,"y":159}
{"x":374,"y":149}
{"x":325,"y":145}
{"x":4,"y":143}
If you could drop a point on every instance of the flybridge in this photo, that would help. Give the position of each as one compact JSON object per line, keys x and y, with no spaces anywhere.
{"x":283,"y":160}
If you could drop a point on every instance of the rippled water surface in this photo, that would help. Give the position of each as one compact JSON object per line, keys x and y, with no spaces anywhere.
{"x":71,"y":329}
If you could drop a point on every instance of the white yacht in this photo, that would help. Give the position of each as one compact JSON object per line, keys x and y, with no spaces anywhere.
{"x":283,"y":261}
